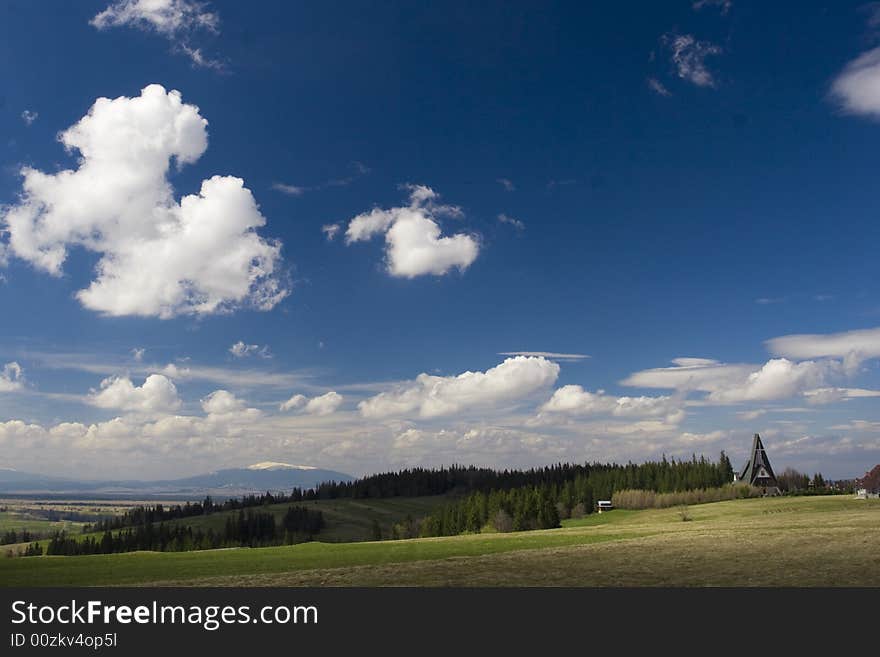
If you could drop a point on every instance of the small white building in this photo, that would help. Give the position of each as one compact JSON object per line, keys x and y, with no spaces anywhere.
{"x":604,"y":505}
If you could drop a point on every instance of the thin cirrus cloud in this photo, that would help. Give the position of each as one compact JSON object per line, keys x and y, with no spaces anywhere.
{"x":689,"y":56}
{"x":29,"y":117}
{"x":321,"y":405}
{"x":430,"y":396}
{"x":414,"y":245}
{"x":549,"y":355}
{"x":360,"y":169}
{"x":175,"y":20}
{"x":158,"y":257}
{"x":832,"y":395}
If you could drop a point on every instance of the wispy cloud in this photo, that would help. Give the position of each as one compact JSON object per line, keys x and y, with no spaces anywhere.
{"x":359,"y":170}
{"x":516,"y":223}
{"x":723,"y":6}
{"x":290,"y":190}
{"x":564,"y":182}
{"x":330,"y":231}
{"x":658,"y":87}
{"x":242,"y":350}
{"x":176,"y":20}
{"x":29,"y":117}
{"x":550,"y":355}
{"x":689,"y":55}
{"x":506,"y":184}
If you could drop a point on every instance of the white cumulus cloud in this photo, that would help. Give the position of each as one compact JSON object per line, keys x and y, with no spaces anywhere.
{"x":159,"y":257}
{"x":434,"y":396}
{"x":321,"y":405}
{"x":574,"y":400}
{"x":414,"y":245}
{"x":222,"y":402}
{"x":324,"y":404}
{"x":158,"y":394}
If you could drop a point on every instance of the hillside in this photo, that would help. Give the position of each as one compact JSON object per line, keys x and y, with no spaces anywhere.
{"x":798,"y":541}
{"x":346,"y":520}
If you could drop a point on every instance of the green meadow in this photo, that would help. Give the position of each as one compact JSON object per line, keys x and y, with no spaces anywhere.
{"x":797,"y":541}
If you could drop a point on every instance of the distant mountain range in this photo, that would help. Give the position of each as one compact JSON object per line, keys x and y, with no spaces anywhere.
{"x":232,"y":482}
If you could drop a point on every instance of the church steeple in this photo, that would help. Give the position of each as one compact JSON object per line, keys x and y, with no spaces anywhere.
{"x":757,"y":470}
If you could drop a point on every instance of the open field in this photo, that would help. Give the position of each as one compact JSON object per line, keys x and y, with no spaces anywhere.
{"x":22,"y":520}
{"x":807,"y":541}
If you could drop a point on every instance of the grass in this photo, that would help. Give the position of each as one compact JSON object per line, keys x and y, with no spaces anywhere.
{"x":19,"y":520}
{"x":808,"y":541}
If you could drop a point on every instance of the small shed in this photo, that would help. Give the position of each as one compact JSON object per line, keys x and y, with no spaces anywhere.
{"x":604,"y":505}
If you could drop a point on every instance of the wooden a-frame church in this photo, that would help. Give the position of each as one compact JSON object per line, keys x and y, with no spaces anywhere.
{"x":757,"y":470}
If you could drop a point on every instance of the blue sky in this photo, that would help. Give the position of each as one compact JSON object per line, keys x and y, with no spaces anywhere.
{"x":635,"y":183}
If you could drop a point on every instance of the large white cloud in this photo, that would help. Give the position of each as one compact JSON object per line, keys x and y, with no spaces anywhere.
{"x":11,"y":377}
{"x":434,"y":396}
{"x":857,"y":87}
{"x":157,"y":394}
{"x":158,"y":257}
{"x":413,"y":242}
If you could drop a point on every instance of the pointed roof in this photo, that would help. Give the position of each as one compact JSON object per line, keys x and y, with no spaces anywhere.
{"x":757,"y":469}
{"x":871,"y":480}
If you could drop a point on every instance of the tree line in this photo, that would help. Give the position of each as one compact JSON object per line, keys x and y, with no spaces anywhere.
{"x":11,"y":536}
{"x":415,"y":482}
{"x":542,"y":504}
{"x":143,"y":514}
{"x":246,"y":529}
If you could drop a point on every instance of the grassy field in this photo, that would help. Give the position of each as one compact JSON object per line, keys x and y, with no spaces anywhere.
{"x":809,"y":541}
{"x":19,"y":520}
